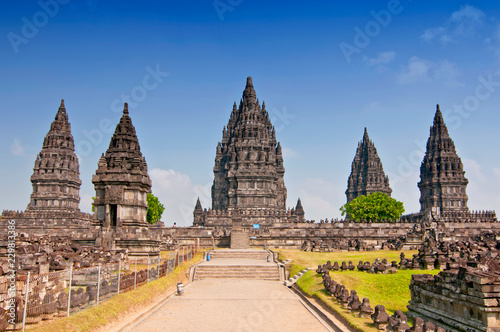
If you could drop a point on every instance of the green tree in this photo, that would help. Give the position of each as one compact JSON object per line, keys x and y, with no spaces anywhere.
{"x":93,"y":199}
{"x":376,"y":207}
{"x":155,"y":209}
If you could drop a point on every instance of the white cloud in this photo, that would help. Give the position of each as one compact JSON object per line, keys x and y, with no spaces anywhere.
{"x":178,"y":194}
{"x":461,"y":23}
{"x":473,"y":171}
{"x":17,"y":149}
{"x":496,"y":171}
{"x":382,"y":58}
{"x":321,"y":199}
{"x":417,"y":70}
{"x":86,"y":203}
{"x":447,"y":73}
{"x":289,"y":153}
{"x":422,"y":70}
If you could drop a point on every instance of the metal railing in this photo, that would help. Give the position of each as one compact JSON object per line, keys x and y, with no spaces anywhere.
{"x":62,"y":293}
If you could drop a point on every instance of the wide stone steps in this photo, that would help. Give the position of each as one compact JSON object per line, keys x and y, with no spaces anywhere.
{"x":237,"y":271}
{"x":259,"y":255}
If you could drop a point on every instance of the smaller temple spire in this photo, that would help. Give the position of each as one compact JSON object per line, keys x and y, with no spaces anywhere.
{"x":442,"y":178}
{"x":299,"y":211}
{"x":125,"y":108}
{"x":56,"y":177}
{"x":367,"y":173}
{"x":198,"y":206}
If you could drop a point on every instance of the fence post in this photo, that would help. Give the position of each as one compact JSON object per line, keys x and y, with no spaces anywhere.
{"x":148,"y":270}
{"x":119,"y":272}
{"x":159,"y":263}
{"x":70,"y":282}
{"x":26,"y":298}
{"x":98,"y":282}
{"x":135,"y":276}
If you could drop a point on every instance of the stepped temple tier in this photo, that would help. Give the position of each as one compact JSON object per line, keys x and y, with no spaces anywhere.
{"x":367,"y":174}
{"x":248,"y":171}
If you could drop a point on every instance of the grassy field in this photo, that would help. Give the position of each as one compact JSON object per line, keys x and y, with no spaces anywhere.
{"x":390,"y":290}
{"x":119,"y":306}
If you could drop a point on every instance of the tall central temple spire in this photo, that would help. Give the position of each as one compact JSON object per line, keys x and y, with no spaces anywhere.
{"x":249,"y":162}
{"x":248,"y":171}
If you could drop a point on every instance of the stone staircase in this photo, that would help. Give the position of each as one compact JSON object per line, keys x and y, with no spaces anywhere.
{"x":241,"y":264}
{"x":240,"y":254}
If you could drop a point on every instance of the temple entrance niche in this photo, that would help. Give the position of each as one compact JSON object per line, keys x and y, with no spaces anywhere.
{"x":112,"y":215}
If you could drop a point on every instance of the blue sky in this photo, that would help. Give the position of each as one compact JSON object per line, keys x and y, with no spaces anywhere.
{"x":326,"y":70}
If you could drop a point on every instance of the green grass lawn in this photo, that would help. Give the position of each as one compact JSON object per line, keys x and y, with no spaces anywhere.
{"x":390,"y":290}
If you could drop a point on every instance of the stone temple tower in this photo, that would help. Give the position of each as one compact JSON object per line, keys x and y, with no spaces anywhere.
{"x":442,"y":178}
{"x":121,"y":180}
{"x":249,"y":162}
{"x":248,"y":171}
{"x":367,"y":174}
{"x":56,"y":176}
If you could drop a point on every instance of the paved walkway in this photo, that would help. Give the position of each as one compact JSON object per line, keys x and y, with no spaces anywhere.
{"x":232,"y":305}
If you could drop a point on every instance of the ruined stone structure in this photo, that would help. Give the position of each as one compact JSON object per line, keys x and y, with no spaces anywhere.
{"x":122,"y":184}
{"x":56,"y":176}
{"x":367,"y":174}
{"x":248,"y":171}
{"x":442,"y":177}
{"x":464,"y":299}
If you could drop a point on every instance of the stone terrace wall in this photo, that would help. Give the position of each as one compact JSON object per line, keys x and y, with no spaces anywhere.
{"x":79,"y":226}
{"x":293,"y":235}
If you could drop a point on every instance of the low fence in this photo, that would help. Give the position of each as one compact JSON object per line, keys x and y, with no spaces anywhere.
{"x":62,"y":293}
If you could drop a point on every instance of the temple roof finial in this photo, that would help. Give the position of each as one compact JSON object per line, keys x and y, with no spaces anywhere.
{"x":62,"y":104}
{"x":365,"y":135}
{"x":249,"y":90}
{"x":125,"y":108}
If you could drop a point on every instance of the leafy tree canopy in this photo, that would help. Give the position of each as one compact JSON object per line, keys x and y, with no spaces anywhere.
{"x":155,"y":209}
{"x":376,"y":207}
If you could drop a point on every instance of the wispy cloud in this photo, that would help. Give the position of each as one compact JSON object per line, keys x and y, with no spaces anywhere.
{"x":17,"y":149}
{"x":419,"y":70}
{"x":461,"y":23}
{"x":382,"y":58}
